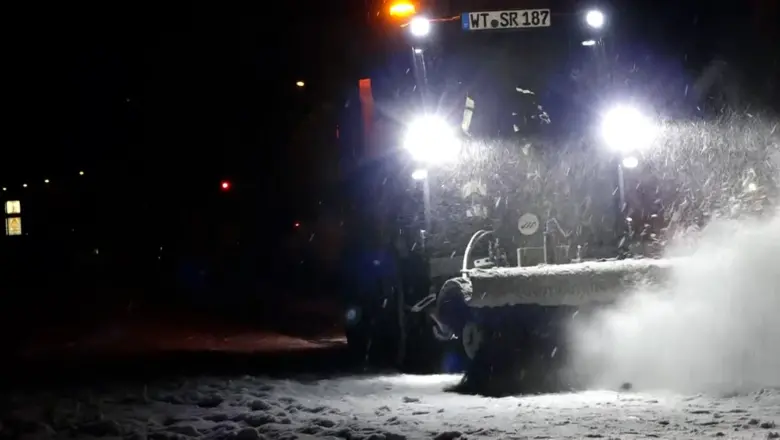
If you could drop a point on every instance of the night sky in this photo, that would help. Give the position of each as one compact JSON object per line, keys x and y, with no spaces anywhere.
{"x":197,"y":92}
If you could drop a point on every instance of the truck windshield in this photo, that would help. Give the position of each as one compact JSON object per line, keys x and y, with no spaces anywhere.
{"x":520,"y":80}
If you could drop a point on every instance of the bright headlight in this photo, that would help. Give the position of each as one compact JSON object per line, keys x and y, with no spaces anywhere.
{"x":595,"y":19}
{"x":420,"y":26}
{"x":431,"y":140}
{"x":626,"y":129}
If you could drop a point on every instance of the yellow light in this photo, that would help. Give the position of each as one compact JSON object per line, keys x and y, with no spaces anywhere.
{"x":300,"y":83}
{"x":402,"y":9}
{"x":81,"y":173}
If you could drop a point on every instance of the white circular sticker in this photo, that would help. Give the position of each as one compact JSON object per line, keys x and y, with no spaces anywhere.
{"x":528,"y":224}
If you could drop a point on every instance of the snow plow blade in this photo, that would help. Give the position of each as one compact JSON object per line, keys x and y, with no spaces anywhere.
{"x":575,"y":284}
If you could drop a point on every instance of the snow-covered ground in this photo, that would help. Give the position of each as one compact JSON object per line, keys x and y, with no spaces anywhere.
{"x":375,"y":407}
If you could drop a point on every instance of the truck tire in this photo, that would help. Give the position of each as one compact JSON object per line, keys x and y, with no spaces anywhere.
{"x":472,"y":338}
{"x":452,"y":308}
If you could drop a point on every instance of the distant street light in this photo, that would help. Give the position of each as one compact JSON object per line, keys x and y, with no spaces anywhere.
{"x":300,"y":83}
{"x":24,"y":185}
{"x":81,"y":173}
{"x":595,"y":19}
{"x":420,"y":27}
{"x":588,"y":43}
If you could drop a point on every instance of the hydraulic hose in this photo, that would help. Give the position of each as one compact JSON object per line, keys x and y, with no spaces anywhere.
{"x":472,"y":242}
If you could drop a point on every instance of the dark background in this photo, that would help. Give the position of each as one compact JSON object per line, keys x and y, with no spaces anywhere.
{"x":170,"y":99}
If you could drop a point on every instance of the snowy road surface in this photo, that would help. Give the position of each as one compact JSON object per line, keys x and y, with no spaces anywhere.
{"x":375,"y":407}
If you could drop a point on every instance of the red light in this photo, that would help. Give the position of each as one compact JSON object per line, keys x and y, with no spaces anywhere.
{"x":297,"y":224}
{"x":225,"y":185}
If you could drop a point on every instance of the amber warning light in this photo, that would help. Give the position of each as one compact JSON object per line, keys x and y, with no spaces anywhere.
{"x":402,"y":9}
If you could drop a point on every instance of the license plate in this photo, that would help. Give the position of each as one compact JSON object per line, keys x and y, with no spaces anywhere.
{"x":513,"y":19}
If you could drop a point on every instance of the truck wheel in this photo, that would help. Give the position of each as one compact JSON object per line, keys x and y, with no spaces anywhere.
{"x":472,"y":338}
{"x":452,"y":308}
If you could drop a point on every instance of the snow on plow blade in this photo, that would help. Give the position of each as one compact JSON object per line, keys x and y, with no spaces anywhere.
{"x":575,"y":284}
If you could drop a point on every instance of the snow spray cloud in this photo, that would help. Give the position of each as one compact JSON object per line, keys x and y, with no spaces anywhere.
{"x":715,"y":328}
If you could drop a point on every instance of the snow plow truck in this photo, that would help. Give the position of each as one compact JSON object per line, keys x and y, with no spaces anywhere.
{"x":500,"y":217}
{"x":496,"y":221}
